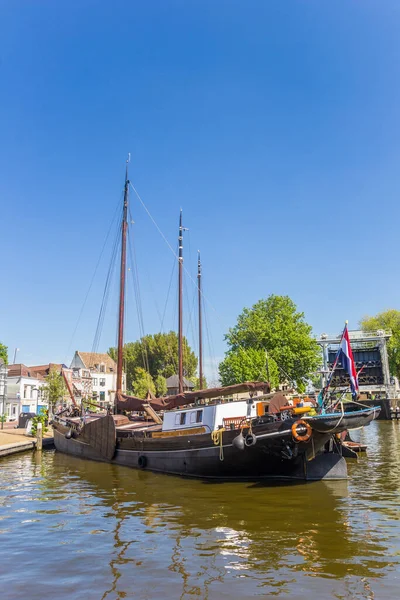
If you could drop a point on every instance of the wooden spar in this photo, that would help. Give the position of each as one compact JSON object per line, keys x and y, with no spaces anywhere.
{"x":180,"y":299}
{"x":70,"y":392}
{"x":122,"y":288}
{"x":200,"y":323}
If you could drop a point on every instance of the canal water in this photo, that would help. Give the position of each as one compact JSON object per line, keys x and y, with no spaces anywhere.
{"x":78,"y":529}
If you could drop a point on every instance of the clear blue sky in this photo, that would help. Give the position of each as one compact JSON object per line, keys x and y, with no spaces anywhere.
{"x":273,"y":124}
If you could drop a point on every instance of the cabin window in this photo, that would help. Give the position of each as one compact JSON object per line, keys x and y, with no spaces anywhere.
{"x":177,"y":419}
{"x":183,"y":419}
{"x":193,"y":417}
{"x":199,"y":416}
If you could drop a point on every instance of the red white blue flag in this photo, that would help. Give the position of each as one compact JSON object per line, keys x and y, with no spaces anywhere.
{"x":346,"y":355}
{"x":347,"y":359}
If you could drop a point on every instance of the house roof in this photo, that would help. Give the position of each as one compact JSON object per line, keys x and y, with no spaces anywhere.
{"x":44,"y":370}
{"x":173,"y":382}
{"x":92,"y":360}
{"x":21,"y":370}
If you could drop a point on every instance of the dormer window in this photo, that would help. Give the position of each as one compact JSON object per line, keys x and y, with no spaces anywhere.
{"x":102,"y":368}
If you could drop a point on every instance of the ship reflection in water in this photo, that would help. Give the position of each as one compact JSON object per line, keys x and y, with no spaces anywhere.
{"x":80,"y":529}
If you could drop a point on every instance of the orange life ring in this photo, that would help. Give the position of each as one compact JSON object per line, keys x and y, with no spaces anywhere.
{"x":306,"y":436}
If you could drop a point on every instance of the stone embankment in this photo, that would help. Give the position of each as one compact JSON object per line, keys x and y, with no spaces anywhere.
{"x":15,"y":440}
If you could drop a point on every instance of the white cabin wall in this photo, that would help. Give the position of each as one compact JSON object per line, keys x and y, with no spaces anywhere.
{"x":212,"y":415}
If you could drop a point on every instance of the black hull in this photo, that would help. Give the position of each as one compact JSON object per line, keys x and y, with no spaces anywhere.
{"x":257,"y":462}
{"x":275,"y":455}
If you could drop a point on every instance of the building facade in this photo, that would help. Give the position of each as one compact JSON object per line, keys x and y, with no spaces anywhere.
{"x":24,"y":391}
{"x":94,"y":377}
{"x":26,"y":388}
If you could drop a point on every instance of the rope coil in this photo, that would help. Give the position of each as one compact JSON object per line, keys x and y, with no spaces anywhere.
{"x":216,"y":437}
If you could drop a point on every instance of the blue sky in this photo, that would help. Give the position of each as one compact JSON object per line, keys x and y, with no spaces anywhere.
{"x":273,"y":124}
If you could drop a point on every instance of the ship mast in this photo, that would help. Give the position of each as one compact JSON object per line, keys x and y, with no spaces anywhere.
{"x":122,"y":288}
{"x":180,"y":303}
{"x":200,"y":323}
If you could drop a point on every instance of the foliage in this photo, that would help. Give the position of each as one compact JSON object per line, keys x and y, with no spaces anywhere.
{"x":42,"y":417}
{"x":4,"y":353}
{"x":3,"y":418}
{"x":55,"y":388}
{"x":275,"y":325}
{"x":158,"y":355}
{"x":248,"y":364}
{"x":161,"y":386}
{"x":196,"y":381}
{"x":389,"y":319}
{"x":143,"y":384}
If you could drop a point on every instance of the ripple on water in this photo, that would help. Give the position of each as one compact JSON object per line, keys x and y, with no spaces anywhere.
{"x":113,"y":532}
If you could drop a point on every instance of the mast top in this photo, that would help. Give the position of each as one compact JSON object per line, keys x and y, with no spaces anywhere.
{"x":128,"y":160}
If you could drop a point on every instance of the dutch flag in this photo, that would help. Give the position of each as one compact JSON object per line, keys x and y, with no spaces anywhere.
{"x":346,"y":356}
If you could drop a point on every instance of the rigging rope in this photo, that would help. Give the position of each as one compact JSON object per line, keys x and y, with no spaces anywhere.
{"x":93,"y":277}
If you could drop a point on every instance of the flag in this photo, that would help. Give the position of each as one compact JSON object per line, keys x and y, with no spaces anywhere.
{"x":346,"y":355}
{"x":348,"y":364}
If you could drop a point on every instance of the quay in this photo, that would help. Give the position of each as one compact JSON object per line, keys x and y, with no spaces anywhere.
{"x":13,"y":441}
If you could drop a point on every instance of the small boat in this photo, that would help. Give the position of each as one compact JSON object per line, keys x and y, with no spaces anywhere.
{"x":202,"y":433}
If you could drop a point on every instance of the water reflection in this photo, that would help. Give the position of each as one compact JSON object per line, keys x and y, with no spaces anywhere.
{"x":118,"y":533}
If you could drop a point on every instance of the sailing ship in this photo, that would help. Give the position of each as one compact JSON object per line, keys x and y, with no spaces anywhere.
{"x":199,"y":434}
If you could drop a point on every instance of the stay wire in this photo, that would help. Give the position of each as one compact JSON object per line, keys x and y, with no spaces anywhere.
{"x":93,"y":277}
{"x":177,"y":258}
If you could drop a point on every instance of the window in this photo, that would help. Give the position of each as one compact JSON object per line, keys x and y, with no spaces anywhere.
{"x":199,"y":416}
{"x":14,"y":410}
{"x":94,"y":381}
{"x":193,"y":417}
{"x":102,"y":381}
{"x":25,"y":387}
{"x":102,"y":396}
{"x":183,"y":419}
{"x":102,"y":369}
{"x":85,"y":374}
{"x":177,"y":419}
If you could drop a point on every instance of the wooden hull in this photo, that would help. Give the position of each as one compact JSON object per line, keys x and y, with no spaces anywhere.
{"x":274,"y":455}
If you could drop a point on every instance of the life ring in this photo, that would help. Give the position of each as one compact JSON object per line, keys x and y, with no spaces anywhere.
{"x":306,"y":436}
{"x":142,"y":461}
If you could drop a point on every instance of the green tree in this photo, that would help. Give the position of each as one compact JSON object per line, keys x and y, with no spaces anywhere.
{"x":55,"y":388}
{"x":161,"y":386}
{"x":248,"y":364}
{"x":275,"y":325}
{"x":4,"y":353}
{"x":42,"y":417}
{"x":389,"y":319}
{"x":158,"y":355}
{"x":143,"y":384}
{"x":196,"y":381}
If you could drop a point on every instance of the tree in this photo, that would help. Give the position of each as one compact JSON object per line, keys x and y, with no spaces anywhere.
{"x":196,"y":381}
{"x":275,"y":325}
{"x":55,"y":388}
{"x":158,"y":355}
{"x":4,"y":353}
{"x":143,"y":384}
{"x":389,"y":319}
{"x":248,"y":364}
{"x":161,"y":386}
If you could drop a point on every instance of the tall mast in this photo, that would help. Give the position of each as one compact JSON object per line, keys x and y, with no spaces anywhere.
{"x":200,"y":323}
{"x":180,"y":302}
{"x":122,"y":286}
